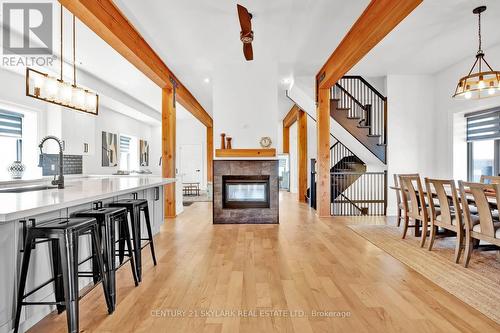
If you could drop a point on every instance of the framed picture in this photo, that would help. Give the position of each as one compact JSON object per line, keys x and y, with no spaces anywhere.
{"x":109,"y":149}
{"x":143,"y":153}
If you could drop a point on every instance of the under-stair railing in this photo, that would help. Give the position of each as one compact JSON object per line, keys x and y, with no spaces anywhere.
{"x":364,"y":102}
{"x":340,"y":155}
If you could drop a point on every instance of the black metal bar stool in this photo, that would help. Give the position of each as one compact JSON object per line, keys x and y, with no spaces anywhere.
{"x":64,"y":234}
{"x":108,"y":218}
{"x":135,"y":207}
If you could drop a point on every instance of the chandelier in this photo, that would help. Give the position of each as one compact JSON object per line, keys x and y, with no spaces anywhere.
{"x":482,"y":81}
{"x":44,"y":87}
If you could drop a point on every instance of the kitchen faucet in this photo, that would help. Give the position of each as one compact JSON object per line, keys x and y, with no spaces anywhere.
{"x":60,"y":180}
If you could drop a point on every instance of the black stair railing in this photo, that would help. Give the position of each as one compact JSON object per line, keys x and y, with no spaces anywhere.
{"x":364,"y":102}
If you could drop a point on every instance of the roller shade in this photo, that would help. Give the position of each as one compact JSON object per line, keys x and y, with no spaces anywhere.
{"x":11,"y":124}
{"x":124,"y":144}
{"x":484,"y":125}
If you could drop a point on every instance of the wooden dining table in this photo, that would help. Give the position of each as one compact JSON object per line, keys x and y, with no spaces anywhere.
{"x":490,"y":195}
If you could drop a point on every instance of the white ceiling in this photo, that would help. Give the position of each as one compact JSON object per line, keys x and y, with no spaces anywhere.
{"x":438,"y":34}
{"x":193,"y":37}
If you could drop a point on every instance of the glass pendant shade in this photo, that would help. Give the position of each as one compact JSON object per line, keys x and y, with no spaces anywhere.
{"x":482,"y":81}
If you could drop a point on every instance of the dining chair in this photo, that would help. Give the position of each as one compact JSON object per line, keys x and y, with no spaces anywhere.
{"x":489,"y":179}
{"x":415,"y":205}
{"x":400,"y":207}
{"x":449,"y":214}
{"x":482,"y":226}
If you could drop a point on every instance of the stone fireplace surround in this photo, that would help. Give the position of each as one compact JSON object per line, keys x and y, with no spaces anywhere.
{"x":223,"y":167}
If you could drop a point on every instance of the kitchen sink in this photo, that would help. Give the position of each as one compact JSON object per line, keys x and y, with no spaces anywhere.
{"x":27,"y":188}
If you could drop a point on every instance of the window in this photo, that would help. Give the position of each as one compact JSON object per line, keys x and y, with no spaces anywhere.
{"x":129,"y":153}
{"x":11,"y":144}
{"x":124,"y":152}
{"x":483,"y":144}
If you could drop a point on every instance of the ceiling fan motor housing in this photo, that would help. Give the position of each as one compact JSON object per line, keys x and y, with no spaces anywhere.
{"x":246,"y":38}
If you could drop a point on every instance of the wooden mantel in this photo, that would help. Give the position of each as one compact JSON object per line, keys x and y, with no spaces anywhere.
{"x":266,"y":152}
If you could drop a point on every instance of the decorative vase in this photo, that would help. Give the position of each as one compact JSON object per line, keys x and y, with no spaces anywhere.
{"x":16,"y":170}
{"x":228,"y":144}
{"x":223,"y":141}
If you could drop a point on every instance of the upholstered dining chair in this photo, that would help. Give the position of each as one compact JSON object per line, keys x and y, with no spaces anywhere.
{"x":415,"y":207}
{"x":489,"y":179}
{"x":488,"y":228}
{"x":449,"y":214}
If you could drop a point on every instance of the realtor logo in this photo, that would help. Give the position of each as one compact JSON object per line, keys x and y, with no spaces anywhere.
{"x":27,"y":28}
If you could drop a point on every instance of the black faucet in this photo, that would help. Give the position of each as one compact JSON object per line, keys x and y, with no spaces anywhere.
{"x":60,"y":180}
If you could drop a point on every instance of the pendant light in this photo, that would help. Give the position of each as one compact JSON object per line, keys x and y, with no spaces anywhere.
{"x":482,"y":81}
{"x":42,"y":86}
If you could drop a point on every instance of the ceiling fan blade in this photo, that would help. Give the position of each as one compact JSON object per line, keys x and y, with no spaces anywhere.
{"x":248,"y":51}
{"x":245,"y":19}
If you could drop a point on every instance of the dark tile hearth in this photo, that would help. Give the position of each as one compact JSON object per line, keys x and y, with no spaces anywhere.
{"x":261,"y":174}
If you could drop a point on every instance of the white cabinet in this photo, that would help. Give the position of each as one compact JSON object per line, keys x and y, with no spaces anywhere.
{"x":78,"y":133}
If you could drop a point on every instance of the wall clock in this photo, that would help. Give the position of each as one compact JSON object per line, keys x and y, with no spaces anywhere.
{"x":265,"y":142}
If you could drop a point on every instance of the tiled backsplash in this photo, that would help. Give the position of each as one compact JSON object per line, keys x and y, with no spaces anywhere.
{"x":72,"y":164}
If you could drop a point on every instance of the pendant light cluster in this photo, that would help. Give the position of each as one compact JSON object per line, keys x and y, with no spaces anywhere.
{"x":482,"y":81}
{"x":44,"y":87}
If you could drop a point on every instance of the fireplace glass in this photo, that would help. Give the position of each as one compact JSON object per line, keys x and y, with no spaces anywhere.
{"x":245,"y":191}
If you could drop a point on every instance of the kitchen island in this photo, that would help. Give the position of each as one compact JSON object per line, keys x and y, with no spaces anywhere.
{"x":40,"y":205}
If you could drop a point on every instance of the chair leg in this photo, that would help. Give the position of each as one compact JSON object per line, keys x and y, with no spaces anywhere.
{"x":121,"y":241}
{"x":109,"y":260}
{"x":130,"y":251}
{"x":68,"y":249}
{"x":460,"y":244}
{"x":424,"y":233}
{"x":150,"y":233}
{"x":406,"y":221}
{"x":432,"y":237}
{"x":468,"y":250}
{"x":96,"y":244}
{"x":57,"y":273}
{"x":136,"y":236}
{"x":399,"y":217}
{"x":22,"y":280}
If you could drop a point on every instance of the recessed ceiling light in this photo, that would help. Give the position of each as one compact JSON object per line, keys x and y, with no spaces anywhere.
{"x":206,"y":80}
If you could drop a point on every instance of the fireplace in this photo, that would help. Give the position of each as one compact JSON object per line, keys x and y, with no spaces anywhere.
{"x":239,"y":192}
{"x":245,"y":191}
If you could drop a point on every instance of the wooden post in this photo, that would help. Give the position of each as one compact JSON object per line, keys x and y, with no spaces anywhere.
{"x":168,"y":148}
{"x":323,"y":158}
{"x":210,"y":154}
{"x":286,"y":139}
{"x":302,"y":152}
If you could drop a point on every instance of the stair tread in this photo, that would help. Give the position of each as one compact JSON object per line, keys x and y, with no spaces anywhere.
{"x":374,"y":135}
{"x":363,"y":126}
{"x":349,"y":117}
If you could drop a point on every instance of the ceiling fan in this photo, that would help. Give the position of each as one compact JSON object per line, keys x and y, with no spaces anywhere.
{"x":246,"y":34}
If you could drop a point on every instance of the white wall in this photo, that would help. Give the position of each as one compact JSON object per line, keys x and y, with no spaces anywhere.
{"x":245,"y":103}
{"x":411,"y":129}
{"x":190,"y":131}
{"x":114,"y":122}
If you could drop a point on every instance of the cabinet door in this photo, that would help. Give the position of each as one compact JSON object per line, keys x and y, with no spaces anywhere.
{"x":8,"y":277}
{"x":78,"y":129}
{"x":158,"y":208}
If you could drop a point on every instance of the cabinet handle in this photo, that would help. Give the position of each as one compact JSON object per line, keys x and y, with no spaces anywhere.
{"x":157,"y":193}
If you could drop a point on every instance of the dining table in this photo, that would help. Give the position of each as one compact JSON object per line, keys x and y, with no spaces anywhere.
{"x":491,"y":196}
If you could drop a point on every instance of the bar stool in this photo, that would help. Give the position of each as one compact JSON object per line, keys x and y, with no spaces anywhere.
{"x":135,"y":207}
{"x":64,"y":234}
{"x":108,"y":218}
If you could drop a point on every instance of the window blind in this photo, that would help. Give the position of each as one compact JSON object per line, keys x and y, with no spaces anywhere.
{"x":483,"y":125}
{"x":11,"y":124}
{"x":124,"y":144}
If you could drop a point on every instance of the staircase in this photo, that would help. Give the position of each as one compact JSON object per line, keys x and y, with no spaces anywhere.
{"x":358,"y":107}
{"x":346,"y":169}
{"x":361,"y":112}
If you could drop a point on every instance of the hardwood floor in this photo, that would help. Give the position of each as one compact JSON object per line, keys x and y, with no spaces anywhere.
{"x":304,"y":265}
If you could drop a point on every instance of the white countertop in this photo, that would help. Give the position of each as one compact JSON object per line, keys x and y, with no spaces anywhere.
{"x":76,"y":192}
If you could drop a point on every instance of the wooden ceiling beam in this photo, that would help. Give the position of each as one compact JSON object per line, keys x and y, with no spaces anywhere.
{"x":291,"y":116}
{"x":378,"y":19}
{"x":109,"y":23}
